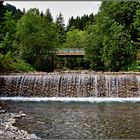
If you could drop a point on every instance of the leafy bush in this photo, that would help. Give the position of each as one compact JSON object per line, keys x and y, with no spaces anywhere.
{"x":135,"y":66}
{"x":5,"y":62}
{"x":8,"y":63}
{"x":21,"y":66}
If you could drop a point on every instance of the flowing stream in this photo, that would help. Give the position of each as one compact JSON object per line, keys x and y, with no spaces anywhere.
{"x":76,"y":120}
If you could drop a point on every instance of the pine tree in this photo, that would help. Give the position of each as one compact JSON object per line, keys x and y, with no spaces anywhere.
{"x":70,"y":23}
{"x":15,"y":12}
{"x":60,"y":20}
{"x":48,"y":15}
{"x":80,"y":22}
{"x":61,"y":28}
{"x":2,"y":14}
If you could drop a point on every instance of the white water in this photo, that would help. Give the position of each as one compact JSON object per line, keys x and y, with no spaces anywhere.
{"x":73,"y":99}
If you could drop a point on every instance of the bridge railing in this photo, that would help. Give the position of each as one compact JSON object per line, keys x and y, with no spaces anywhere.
{"x":71,"y":51}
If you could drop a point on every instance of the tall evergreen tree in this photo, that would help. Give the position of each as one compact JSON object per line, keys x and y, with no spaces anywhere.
{"x":70,"y":23}
{"x":61,"y":28}
{"x":80,"y":22}
{"x":48,"y":16}
{"x":17,"y":13}
{"x":41,"y":14}
{"x":60,"y":21}
{"x":2,"y":14}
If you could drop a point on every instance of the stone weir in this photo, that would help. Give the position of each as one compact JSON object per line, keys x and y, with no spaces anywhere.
{"x":70,"y":85}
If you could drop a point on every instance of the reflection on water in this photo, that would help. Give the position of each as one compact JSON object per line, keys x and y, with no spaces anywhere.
{"x":79,"y":120}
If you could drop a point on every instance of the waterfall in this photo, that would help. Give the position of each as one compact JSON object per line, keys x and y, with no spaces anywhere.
{"x":70,"y":85}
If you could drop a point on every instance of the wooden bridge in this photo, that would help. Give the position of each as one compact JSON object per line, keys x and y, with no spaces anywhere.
{"x":71,"y":52}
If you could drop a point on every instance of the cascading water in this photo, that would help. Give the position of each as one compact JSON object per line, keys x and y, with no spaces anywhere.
{"x":70,"y":85}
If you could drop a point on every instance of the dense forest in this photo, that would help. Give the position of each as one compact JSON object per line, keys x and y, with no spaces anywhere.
{"x":111,"y":39}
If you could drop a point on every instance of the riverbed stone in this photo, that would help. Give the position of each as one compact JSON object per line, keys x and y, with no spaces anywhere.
{"x":8,"y":131}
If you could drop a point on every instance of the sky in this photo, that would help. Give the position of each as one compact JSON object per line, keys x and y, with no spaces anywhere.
{"x":67,"y":8}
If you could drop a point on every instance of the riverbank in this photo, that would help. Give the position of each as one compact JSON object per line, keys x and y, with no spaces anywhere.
{"x":7,"y":130}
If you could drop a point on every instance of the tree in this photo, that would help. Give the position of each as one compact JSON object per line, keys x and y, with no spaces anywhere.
{"x":2,"y":10}
{"x":94,"y":47}
{"x":38,"y":40}
{"x":61,"y":28}
{"x":2,"y":14}
{"x":118,"y":50}
{"x":9,"y":28}
{"x":136,"y":25}
{"x":70,"y":23}
{"x":6,"y":43}
{"x":135,"y":66}
{"x":9,"y":60}
{"x":48,"y":16}
{"x":111,"y":43}
{"x":122,"y":12}
{"x":80,"y":22}
{"x":75,"y":39}
{"x":17,"y":13}
{"x":60,"y":21}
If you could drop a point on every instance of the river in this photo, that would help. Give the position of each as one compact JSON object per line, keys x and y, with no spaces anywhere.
{"x":76,"y":120}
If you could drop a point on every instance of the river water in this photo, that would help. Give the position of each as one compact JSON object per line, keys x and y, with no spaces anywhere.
{"x":76,"y":120}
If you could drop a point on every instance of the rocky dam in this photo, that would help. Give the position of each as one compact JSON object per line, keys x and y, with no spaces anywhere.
{"x":70,"y":85}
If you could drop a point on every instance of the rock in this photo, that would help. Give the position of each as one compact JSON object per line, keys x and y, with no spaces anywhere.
{"x":11,"y":121}
{"x":39,"y":122}
{"x":33,"y":136}
{"x":23,"y":115}
{"x":8,"y":131}
{"x":17,"y":116}
{"x":1,"y":132}
{"x":2,"y":111}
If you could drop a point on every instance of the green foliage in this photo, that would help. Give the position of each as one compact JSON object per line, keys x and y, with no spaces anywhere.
{"x":111,"y":43}
{"x":60,"y":21}
{"x":118,"y":54}
{"x":2,"y":14}
{"x":9,"y":33}
{"x":94,"y":46}
{"x":8,"y":63}
{"x":38,"y":39}
{"x":48,"y":16}
{"x":17,"y":13}
{"x":122,"y":12}
{"x":21,"y":66}
{"x":75,"y":39}
{"x":60,"y":29}
{"x":7,"y":43}
{"x":5,"y":62}
{"x":135,"y":66}
{"x":80,"y":23}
